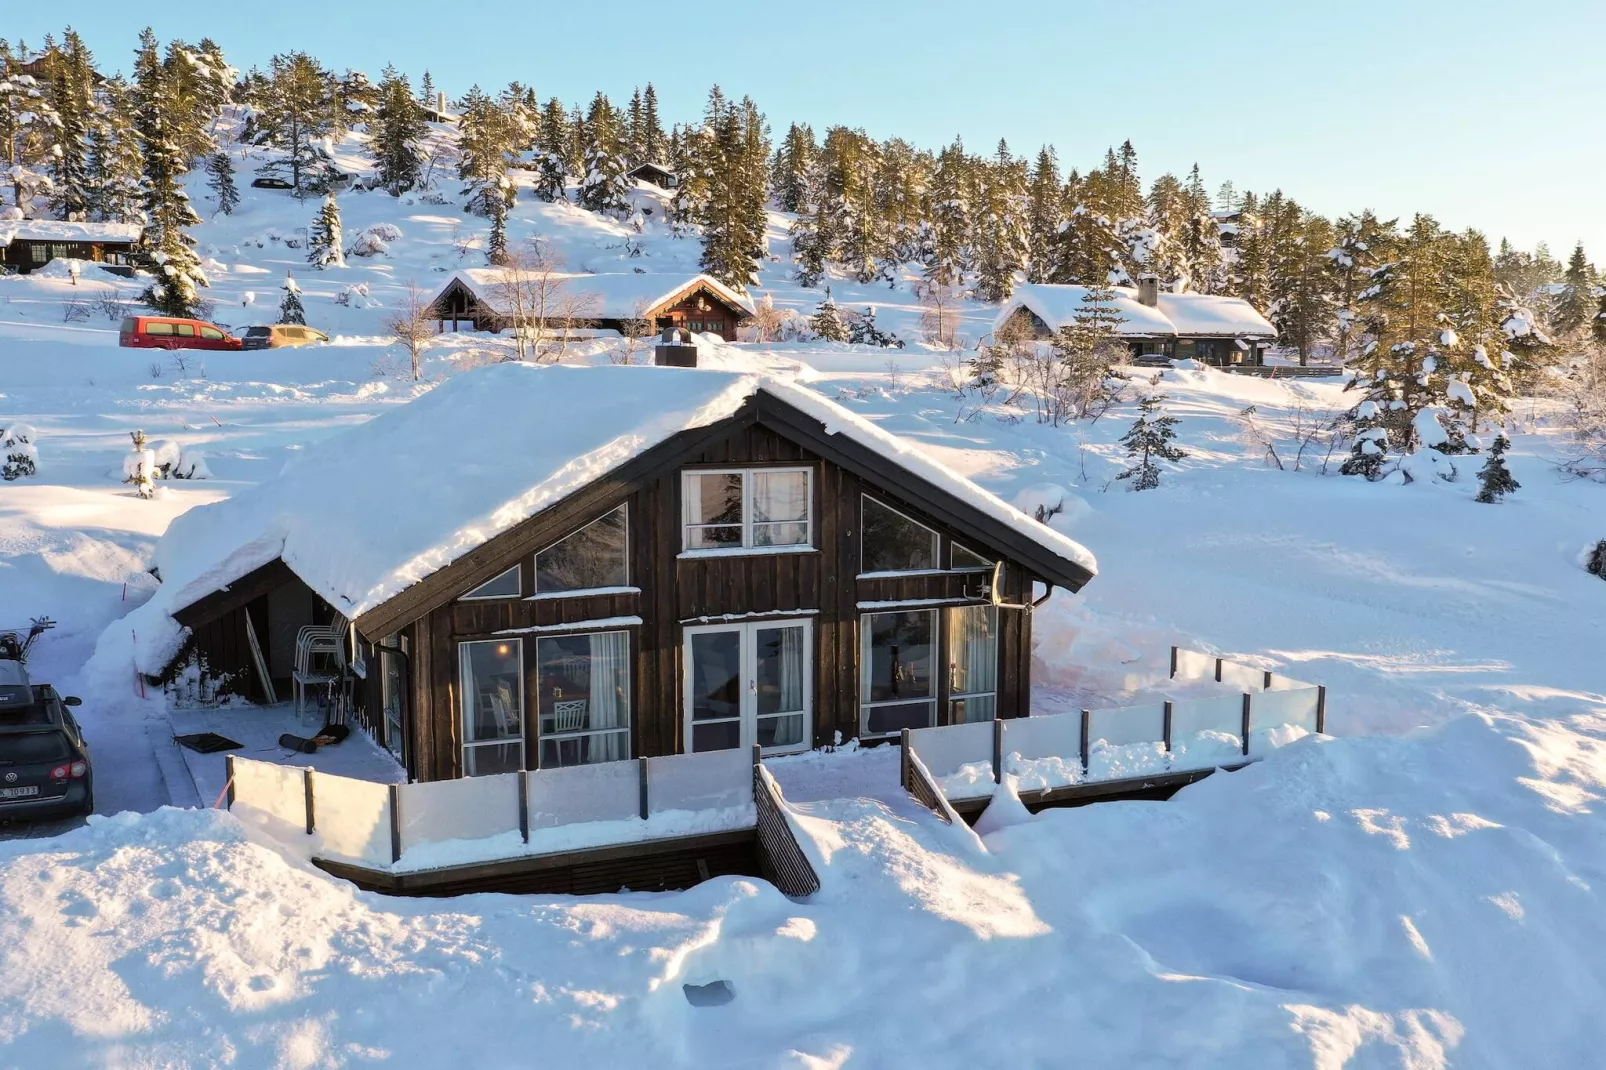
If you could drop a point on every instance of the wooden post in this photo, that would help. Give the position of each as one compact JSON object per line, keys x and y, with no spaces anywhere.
{"x":1321,"y":709}
{"x":1166,"y":729}
{"x":524,"y":805}
{"x":1173,"y":663}
{"x":1247,"y":700}
{"x":228,"y":770}
{"x":395,"y":823}
{"x":306,"y":787}
{"x":998,"y":750}
{"x":903,"y":759}
{"x":1218,"y":670}
{"x":1265,"y":683}
{"x":1087,"y":730}
{"x":646,"y":801}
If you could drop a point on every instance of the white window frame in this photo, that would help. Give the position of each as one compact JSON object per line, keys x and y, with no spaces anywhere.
{"x":947,"y":644}
{"x":535,"y":581}
{"x":939,"y":664}
{"x":629,"y":728}
{"x":936,"y":553}
{"x":392,"y":650}
{"x":462,"y":703}
{"x":747,"y":546}
{"x":748,"y":716}
{"x":470,"y":596}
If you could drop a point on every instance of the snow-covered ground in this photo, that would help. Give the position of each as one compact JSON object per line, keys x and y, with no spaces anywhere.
{"x":1424,"y":891}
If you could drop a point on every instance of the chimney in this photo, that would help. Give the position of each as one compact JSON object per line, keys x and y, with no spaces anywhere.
{"x":675,"y":349}
{"x":1149,"y":289}
{"x":440,"y":104}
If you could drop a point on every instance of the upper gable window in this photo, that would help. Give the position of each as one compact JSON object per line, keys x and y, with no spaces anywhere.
{"x":595,"y":557}
{"x":963,"y":559}
{"x":505,"y":585}
{"x":892,"y":542}
{"x":747,"y":508}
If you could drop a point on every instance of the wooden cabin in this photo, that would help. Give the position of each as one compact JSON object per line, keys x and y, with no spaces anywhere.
{"x":1156,"y":324}
{"x":621,"y":562}
{"x":654,"y":175}
{"x":29,"y":244}
{"x":494,"y":299}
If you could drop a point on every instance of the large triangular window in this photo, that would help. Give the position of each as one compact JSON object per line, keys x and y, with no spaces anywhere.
{"x":505,"y":585}
{"x":893,"y":542}
{"x":595,"y":558}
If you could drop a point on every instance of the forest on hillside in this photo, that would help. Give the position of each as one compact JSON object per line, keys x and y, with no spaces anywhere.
{"x":1429,"y":317}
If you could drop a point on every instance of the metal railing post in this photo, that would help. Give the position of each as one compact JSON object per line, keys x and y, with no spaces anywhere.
{"x":228,"y":771}
{"x":306,"y":787}
{"x":1087,"y":731}
{"x":524,"y":805}
{"x":1165,"y":725}
{"x":998,"y":750}
{"x":1247,"y":700}
{"x":395,"y":823}
{"x":903,"y":759}
{"x":645,"y":800}
{"x":1173,"y":663}
{"x":1321,"y":709}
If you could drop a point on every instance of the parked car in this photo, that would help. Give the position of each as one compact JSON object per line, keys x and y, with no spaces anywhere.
{"x":167,"y":332}
{"x":278,"y":335}
{"x":44,"y":760}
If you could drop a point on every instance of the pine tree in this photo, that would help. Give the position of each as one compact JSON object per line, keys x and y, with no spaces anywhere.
{"x":827,"y":320}
{"x":1147,"y":440}
{"x":1369,"y":449}
{"x":1045,"y":211}
{"x":115,"y":169}
{"x":483,"y":150}
{"x":864,"y":332}
{"x":72,"y":96}
{"x":220,"y":180}
{"x":604,"y":188}
{"x":809,"y":250}
{"x":325,"y":242}
{"x":290,"y":308}
{"x":1001,"y":240}
{"x":736,"y":170}
{"x":1576,"y":303}
{"x":654,"y":148}
{"x":1494,"y":479}
{"x":551,"y":177}
{"x":427,"y":91}
{"x":169,"y":251}
{"x":789,"y":175}
{"x":396,"y":134}
{"x":298,"y":110}
{"x":945,"y":244}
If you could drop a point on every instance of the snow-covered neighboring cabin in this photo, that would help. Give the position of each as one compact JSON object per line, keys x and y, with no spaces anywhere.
{"x":28,"y":244}
{"x":548,"y":566}
{"x":654,"y":174}
{"x":1204,"y":327}
{"x":492,"y":299}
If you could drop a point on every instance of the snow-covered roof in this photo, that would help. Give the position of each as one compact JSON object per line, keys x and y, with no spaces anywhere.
{"x":58,"y":230}
{"x":1177,"y":315}
{"x":614,"y":295}
{"x":367,"y":513}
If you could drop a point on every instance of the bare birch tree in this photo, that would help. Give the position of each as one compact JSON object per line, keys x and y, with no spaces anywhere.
{"x":528,"y":291}
{"x":412,"y":325}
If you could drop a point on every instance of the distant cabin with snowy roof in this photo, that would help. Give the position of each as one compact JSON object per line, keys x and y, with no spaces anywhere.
{"x":1216,"y":330}
{"x":654,"y":175}
{"x":29,"y":244}
{"x":633,"y":303}
{"x":618,"y":562}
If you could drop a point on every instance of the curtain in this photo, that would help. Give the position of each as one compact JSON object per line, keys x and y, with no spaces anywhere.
{"x":973,"y":650}
{"x":791,"y":669}
{"x":780,"y":496}
{"x":610,"y":704}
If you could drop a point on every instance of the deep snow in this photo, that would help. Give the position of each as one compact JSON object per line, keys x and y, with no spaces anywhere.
{"x":1411,"y":897}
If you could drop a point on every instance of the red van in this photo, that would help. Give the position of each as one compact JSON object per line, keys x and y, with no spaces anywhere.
{"x":167,"y":332}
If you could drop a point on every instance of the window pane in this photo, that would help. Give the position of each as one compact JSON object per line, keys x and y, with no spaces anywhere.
{"x":780,"y":496}
{"x":714,"y":499}
{"x":491,"y":675}
{"x":898,"y":656}
{"x":713,"y":538}
{"x":784,"y":731}
{"x":779,"y":660}
{"x":975,"y":708}
{"x":880,"y":720}
{"x":211,"y":332}
{"x":718,"y":735}
{"x":968,"y":560}
{"x":972,"y":650}
{"x":184,"y":330}
{"x":894,"y":543}
{"x":584,"y":687}
{"x":594,"y":556}
{"x":716,"y":667}
{"x":488,"y":760}
{"x":788,"y":534}
{"x":158,"y":328}
{"x":504,"y":586}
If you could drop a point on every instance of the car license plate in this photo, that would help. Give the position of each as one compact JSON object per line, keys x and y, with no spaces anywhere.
{"x":19,"y":793}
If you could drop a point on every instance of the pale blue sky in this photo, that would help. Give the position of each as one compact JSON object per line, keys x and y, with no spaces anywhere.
{"x":1485,"y":114}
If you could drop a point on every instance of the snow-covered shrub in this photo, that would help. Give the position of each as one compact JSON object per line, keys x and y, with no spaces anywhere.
{"x":356,"y":296}
{"x":139,"y":466}
{"x":18,"y":455}
{"x":1494,"y":479}
{"x":1595,"y":559}
{"x":375,"y":241}
{"x":173,"y":461}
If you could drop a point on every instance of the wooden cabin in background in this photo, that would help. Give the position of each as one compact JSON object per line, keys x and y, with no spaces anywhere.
{"x":623,"y":562}
{"x":654,"y":175}
{"x":29,"y":244}
{"x":639,"y":304}
{"x":1156,"y":324}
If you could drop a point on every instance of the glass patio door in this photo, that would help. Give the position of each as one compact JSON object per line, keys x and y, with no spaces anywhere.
{"x":747,"y":684}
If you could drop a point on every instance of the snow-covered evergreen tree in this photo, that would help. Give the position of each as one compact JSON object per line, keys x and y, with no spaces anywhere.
{"x":290,"y":307}
{"x":326,"y":243}
{"x":483,"y":148}
{"x":396,"y":133}
{"x":1148,"y":441}
{"x":169,"y":251}
{"x":19,"y":455}
{"x":72,"y":96}
{"x":604,"y":188}
{"x":1494,"y":478}
{"x":864,"y":332}
{"x":999,"y":226}
{"x":1045,"y":211}
{"x":809,"y":250}
{"x":945,"y":238}
{"x":789,"y":174}
{"x":551,"y":177}
{"x":735,"y":170}
{"x":1576,"y":304}
{"x":220,"y":180}
{"x":1369,"y":449}
{"x":827,"y":320}
{"x":298,"y":110}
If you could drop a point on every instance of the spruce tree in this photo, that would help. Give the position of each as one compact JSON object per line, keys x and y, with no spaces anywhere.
{"x":1369,"y":450}
{"x":72,"y":93}
{"x":1044,"y":214}
{"x":654,"y":148}
{"x":1001,"y":240}
{"x":827,"y":320}
{"x":220,"y":180}
{"x":1148,"y":440}
{"x":789,"y":176}
{"x":115,"y":168}
{"x":1576,"y":303}
{"x":604,"y":188}
{"x":169,"y":251}
{"x":396,"y":133}
{"x":1494,"y":479}
{"x":325,"y":241}
{"x":298,"y":110}
{"x":483,"y":149}
{"x":551,"y":177}
{"x":736,"y":175}
{"x":809,"y":250}
{"x":864,"y":332}
{"x":946,"y":242}
{"x":290,"y":308}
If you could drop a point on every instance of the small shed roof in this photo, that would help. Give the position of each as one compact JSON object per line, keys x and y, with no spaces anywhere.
{"x":367,"y":513}
{"x":613,"y":295}
{"x":1175,"y":316}
{"x":59,"y":230}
